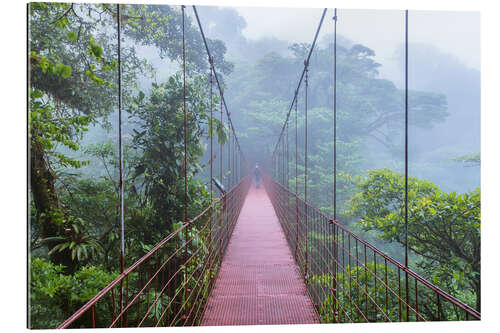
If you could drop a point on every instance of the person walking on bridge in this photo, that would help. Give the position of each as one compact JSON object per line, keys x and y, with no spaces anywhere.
{"x":257,"y":175}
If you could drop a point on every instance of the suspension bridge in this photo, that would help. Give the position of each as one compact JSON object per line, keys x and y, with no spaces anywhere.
{"x":264,"y":254}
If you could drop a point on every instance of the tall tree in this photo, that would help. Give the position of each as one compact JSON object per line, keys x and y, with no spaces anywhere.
{"x":72,"y":78}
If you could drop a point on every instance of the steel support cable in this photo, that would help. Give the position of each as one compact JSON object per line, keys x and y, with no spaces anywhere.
{"x":296,"y":173}
{"x":185,"y":144}
{"x":335,"y":250}
{"x":211,"y":131}
{"x":335,"y":116}
{"x":231,"y":159}
{"x":217,"y":78}
{"x":221,"y":164}
{"x":406,"y":138}
{"x":306,"y":67}
{"x":303,"y":73}
{"x":185,"y":113}
{"x":287,"y":158}
{"x":228,"y":140}
{"x":282,"y":165}
{"x":406,"y":160}
{"x":120,"y":155}
{"x":120,"y":145}
{"x":220,"y":174}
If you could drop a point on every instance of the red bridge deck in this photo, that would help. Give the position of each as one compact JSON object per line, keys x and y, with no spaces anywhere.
{"x":259,"y":282}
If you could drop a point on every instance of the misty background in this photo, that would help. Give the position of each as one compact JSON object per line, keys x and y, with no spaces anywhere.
{"x":444,"y":58}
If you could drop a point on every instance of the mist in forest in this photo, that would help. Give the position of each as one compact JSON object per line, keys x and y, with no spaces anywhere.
{"x":259,"y":54}
{"x":443,"y":59}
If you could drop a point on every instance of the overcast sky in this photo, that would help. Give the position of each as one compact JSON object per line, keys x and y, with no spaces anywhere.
{"x":457,"y":33}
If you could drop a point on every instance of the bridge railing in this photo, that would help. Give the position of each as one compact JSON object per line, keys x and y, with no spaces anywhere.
{"x":348,"y":279}
{"x":170,"y":284}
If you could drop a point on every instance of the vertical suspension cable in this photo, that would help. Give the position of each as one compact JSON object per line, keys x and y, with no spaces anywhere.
{"x":120,"y":145}
{"x":406,"y":138}
{"x":221,"y":164}
{"x":228,"y":158}
{"x":305,"y":163}
{"x":282,"y":164}
{"x":211,"y":129}
{"x":335,"y":116}
{"x":210,"y":60}
{"x":335,"y":247}
{"x":186,"y":250}
{"x":232,"y":161}
{"x":278,"y":162}
{"x":120,"y":153}
{"x":406,"y":164}
{"x":296,"y":174}
{"x":283,"y":161}
{"x":235,"y":162}
{"x":231,"y":164}
{"x":287,"y":157}
{"x":185,"y":116}
{"x":220,"y":142}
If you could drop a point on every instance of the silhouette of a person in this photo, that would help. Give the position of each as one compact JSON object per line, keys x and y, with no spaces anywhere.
{"x":257,"y":175}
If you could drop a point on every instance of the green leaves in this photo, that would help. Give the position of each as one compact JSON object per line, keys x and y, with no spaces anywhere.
{"x":95,"y":49}
{"x":72,"y":36}
{"x":48,"y":67}
{"x":443,"y":228}
{"x":49,"y":128}
{"x":77,"y":240}
{"x":52,"y":293}
{"x":63,"y":70}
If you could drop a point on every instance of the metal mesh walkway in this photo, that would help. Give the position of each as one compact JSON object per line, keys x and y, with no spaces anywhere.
{"x":258,"y":282}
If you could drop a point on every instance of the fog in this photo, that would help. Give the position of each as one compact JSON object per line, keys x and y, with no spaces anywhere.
{"x":444,"y":58}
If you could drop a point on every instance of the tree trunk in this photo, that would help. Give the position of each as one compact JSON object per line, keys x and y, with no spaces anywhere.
{"x":49,"y":214}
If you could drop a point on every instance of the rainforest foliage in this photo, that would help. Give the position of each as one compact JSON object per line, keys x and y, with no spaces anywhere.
{"x":74,"y":231}
{"x":74,"y":194}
